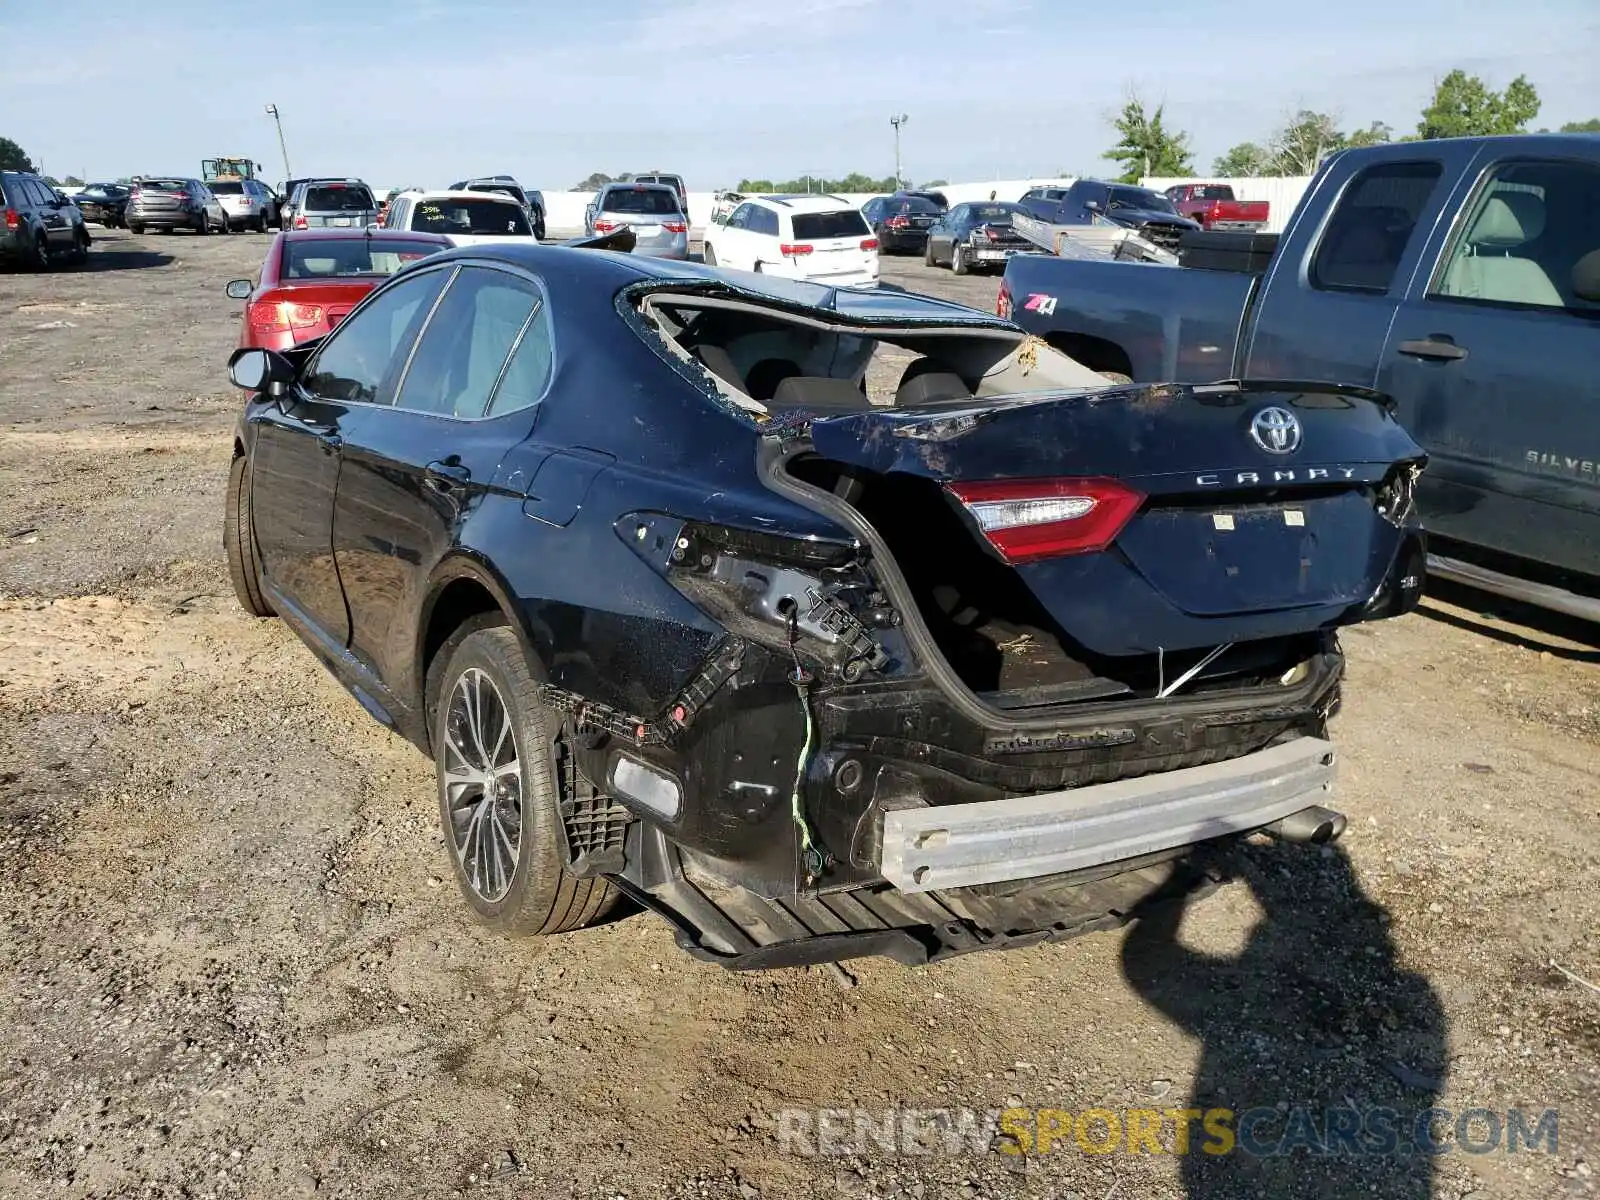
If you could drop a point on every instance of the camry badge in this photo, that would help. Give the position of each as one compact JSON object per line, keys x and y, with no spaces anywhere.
{"x":1276,"y":430}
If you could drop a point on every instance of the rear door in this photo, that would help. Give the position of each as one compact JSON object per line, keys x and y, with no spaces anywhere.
{"x":1491,"y":360}
{"x":296,"y":451}
{"x":416,"y":468}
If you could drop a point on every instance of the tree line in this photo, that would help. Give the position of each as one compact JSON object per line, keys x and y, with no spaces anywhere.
{"x":853,"y":182}
{"x":1463,"y":105}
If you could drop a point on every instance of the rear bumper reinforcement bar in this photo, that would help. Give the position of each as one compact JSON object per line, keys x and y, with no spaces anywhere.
{"x":958,"y":845}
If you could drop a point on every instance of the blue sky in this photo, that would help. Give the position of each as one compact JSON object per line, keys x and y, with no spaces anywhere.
{"x":424,"y":91}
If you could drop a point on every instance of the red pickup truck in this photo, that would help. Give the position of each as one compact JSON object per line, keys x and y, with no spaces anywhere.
{"x":1213,"y":205}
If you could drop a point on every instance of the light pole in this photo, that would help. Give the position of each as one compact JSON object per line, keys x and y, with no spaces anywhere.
{"x":272,"y":111}
{"x":897,"y":121}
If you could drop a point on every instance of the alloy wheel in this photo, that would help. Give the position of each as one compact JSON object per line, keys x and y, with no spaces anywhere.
{"x":483,"y":782}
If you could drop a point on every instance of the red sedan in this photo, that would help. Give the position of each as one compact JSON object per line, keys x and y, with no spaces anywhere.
{"x":312,"y":278}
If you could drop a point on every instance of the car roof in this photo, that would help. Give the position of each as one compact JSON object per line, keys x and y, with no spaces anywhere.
{"x":622,"y":185}
{"x":613,"y":270}
{"x":457,"y":194}
{"x":802,"y":202}
{"x":317,"y":235}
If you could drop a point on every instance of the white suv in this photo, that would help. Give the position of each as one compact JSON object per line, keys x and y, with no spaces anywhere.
{"x":821,"y":238}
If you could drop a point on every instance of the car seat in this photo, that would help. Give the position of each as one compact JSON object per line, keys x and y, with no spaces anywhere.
{"x":928,"y":381}
{"x":1484,"y":267}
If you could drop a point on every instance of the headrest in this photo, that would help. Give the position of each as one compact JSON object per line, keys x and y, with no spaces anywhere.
{"x":1509,"y":219}
{"x":818,"y":392}
{"x":1586,"y":277}
{"x":720,"y":363}
{"x":930,"y":387}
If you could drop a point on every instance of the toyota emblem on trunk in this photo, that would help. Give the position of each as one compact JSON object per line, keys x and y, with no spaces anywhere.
{"x":1276,"y":430}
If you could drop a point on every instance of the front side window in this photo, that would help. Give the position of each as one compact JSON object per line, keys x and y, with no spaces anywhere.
{"x":1367,"y":234}
{"x":363,"y":354}
{"x":741,"y":216}
{"x":1523,"y":237}
{"x":472,"y":333}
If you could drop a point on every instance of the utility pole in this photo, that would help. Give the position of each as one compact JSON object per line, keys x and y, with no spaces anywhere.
{"x":897,"y":121}
{"x":272,"y":111}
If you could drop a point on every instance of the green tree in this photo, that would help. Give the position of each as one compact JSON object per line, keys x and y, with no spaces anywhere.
{"x":1592,"y":125}
{"x":937,"y":183}
{"x":1465,"y":106}
{"x":72,"y":181}
{"x":12,"y":157}
{"x":1244,"y":161}
{"x":1304,"y":142}
{"x":598,"y":180}
{"x":1376,"y":134}
{"x":1146,"y":146}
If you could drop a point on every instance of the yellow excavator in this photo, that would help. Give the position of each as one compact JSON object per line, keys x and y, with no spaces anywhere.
{"x":214,"y":169}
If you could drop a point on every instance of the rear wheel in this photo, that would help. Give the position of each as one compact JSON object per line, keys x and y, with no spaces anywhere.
{"x":41,"y":253}
{"x":80,"y":248}
{"x":261,"y":222}
{"x":495,"y":753}
{"x":958,"y":260}
{"x":204,"y":226}
{"x":710,"y":256}
{"x":927,"y":254}
{"x":239,"y":540}
{"x":135,"y":228}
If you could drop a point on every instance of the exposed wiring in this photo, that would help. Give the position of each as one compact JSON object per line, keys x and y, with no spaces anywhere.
{"x":810,"y":854}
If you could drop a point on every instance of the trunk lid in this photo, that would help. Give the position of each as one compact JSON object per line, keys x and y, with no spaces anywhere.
{"x":1230,"y":512}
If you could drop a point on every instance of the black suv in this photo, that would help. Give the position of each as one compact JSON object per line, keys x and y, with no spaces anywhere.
{"x":38,"y":225}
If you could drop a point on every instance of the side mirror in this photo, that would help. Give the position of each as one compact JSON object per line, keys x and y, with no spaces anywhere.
{"x":239,"y":289}
{"x":1092,"y":205}
{"x":260,"y":371}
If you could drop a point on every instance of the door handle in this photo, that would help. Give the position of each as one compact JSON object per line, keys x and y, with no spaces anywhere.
{"x":445,"y":476}
{"x":1437,"y":348}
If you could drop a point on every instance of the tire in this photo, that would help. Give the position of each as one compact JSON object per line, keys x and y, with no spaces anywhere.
{"x":486,"y":693}
{"x":41,"y":252}
{"x":927,"y":254}
{"x":80,"y":249}
{"x":204,"y":228}
{"x":261,"y":223}
{"x":958,"y":262}
{"x":136,"y":229}
{"x":239,"y":540}
{"x":709,"y":256}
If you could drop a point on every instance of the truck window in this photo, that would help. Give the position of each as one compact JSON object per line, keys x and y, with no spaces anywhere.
{"x":1525,"y":232}
{"x":1366,"y":236}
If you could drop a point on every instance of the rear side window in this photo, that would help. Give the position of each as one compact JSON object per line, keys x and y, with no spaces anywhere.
{"x":338,"y":198}
{"x":1523,"y":237}
{"x":846,"y":223}
{"x":1367,"y":235}
{"x":363,"y":354}
{"x":459,"y":360}
{"x":648,"y":200}
{"x":528,"y":373}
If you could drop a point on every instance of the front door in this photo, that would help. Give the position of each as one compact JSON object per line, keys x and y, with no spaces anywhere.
{"x":1489,"y":359}
{"x":298,"y":447}
{"x":416,"y":469}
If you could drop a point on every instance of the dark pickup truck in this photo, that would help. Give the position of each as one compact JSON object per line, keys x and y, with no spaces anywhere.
{"x":1148,"y":213}
{"x":1460,"y":276}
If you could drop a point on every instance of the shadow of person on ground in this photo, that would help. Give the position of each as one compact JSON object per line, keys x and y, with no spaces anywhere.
{"x":1327,"y":1051}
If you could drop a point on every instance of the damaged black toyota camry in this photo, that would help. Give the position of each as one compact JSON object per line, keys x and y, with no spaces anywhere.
{"x":686,"y":611}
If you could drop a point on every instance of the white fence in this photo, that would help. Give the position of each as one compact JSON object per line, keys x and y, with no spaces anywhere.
{"x":1283,"y":194}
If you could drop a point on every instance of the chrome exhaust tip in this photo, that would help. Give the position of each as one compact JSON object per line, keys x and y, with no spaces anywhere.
{"x":1315,"y":826}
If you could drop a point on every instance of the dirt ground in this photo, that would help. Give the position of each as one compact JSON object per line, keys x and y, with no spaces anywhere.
{"x":234,"y":965}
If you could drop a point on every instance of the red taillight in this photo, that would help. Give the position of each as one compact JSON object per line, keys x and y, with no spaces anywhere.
{"x":9,"y":215}
{"x":300,"y":221}
{"x":1029,"y":519}
{"x":283,"y":316}
{"x":870,"y":244}
{"x":1002,"y":302}
{"x":606,"y":226}
{"x":675,"y":227}
{"x":897,"y":222}
{"x":990,"y":234}
{"x":794,"y":251}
